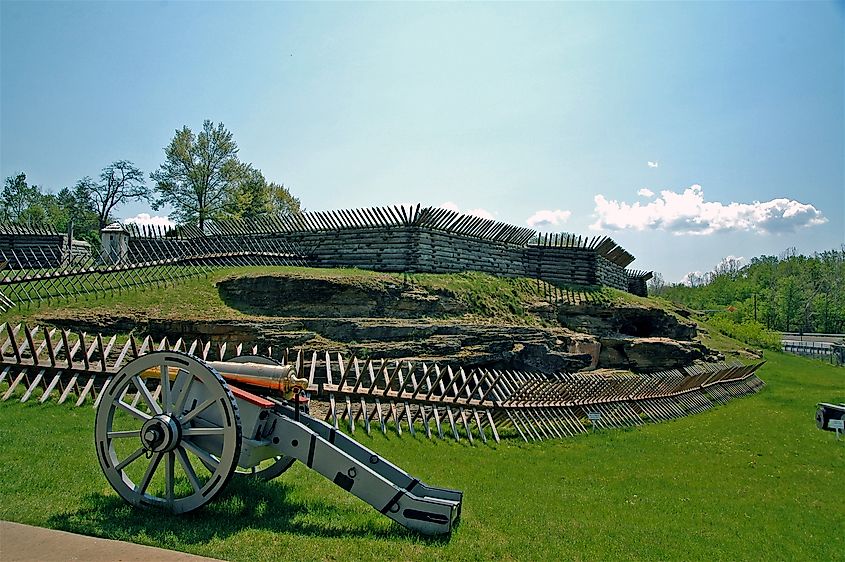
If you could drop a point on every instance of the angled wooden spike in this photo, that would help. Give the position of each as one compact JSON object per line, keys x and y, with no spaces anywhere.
{"x":332,"y":406}
{"x":410,"y":419}
{"x":389,"y":384}
{"x":50,"y":387}
{"x":358,"y":378}
{"x":69,"y":388}
{"x":11,"y":341}
{"x":478,"y":424}
{"x":13,"y":385}
{"x":313,"y":370}
{"x":35,"y":382}
{"x":492,"y":426}
{"x":12,"y":332}
{"x":373,"y":379}
{"x":366,"y":417}
{"x":436,"y":412}
{"x":30,"y":342}
{"x":300,"y":363}
{"x":425,"y":420}
{"x":463,"y":415}
{"x":102,"y":352}
{"x":396,"y":419}
{"x":349,"y":413}
{"x":451,"y":417}
{"x":102,"y":392}
{"x":85,"y":390}
{"x":48,"y":343}
{"x":344,"y":369}
{"x":516,"y":425}
{"x":118,"y":363}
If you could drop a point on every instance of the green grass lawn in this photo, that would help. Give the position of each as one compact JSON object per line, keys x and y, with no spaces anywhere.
{"x":751,"y":480}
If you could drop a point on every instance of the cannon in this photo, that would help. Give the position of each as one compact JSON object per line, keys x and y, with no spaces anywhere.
{"x":176,"y":448}
{"x":827,"y":412}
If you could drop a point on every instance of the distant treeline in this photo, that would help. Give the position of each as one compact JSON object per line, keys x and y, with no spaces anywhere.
{"x":786,"y":293}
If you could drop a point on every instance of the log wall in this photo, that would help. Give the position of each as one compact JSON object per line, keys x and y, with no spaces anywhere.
{"x":410,"y":240}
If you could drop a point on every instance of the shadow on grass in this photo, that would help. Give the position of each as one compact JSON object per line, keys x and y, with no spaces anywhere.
{"x":245,"y":504}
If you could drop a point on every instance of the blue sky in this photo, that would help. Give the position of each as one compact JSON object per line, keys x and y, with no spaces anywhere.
{"x":686,"y":131}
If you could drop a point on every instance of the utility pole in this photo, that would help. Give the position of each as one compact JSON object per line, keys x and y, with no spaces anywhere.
{"x":755,"y":307}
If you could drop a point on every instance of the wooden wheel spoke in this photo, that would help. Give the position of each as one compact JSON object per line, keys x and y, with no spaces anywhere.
{"x":204,"y":455}
{"x":130,"y":459}
{"x":124,"y":434}
{"x":169,"y":476}
{"x":196,"y":411}
{"x":188,"y":468}
{"x":183,"y":384}
{"x":148,"y":475}
{"x":135,"y":412}
{"x":145,"y":393}
{"x":165,"y":388}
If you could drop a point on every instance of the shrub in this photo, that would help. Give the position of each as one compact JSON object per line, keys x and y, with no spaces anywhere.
{"x":750,"y":332}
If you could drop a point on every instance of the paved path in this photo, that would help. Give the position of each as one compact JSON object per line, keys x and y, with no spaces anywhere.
{"x":23,"y":543}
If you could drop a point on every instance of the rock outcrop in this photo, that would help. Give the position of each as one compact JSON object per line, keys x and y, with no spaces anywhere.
{"x":373,"y":317}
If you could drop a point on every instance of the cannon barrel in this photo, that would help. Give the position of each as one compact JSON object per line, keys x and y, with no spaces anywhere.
{"x":275,"y":379}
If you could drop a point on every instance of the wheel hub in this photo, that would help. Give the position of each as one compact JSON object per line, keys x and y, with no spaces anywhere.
{"x":162,"y":433}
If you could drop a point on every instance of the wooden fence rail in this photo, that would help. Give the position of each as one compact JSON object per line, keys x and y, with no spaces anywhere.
{"x":159,"y":263}
{"x":351,"y":393}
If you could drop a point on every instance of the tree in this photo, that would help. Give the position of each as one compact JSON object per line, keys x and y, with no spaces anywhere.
{"x":656,"y":285}
{"x":120,"y":181}
{"x":75,"y":206}
{"x":198,"y":174}
{"x":18,"y":199}
{"x":281,"y":201}
{"x":250,"y":197}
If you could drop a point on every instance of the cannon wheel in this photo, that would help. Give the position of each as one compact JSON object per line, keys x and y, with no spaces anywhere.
{"x":270,"y":468}
{"x":145,"y":440}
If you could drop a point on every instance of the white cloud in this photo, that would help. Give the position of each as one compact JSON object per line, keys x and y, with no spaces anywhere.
{"x":144,"y":219}
{"x":652,"y":164}
{"x":545,"y":219}
{"x":689,"y":213}
{"x":482,"y":213}
{"x":645,"y":192}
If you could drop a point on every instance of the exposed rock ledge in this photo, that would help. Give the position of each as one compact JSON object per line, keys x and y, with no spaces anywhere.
{"x":501,"y":346}
{"x":382,"y":317}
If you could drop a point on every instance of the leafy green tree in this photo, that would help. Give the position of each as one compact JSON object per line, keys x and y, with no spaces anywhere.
{"x":250,"y":196}
{"x":18,"y":199}
{"x":282,"y":202}
{"x":199,"y":173}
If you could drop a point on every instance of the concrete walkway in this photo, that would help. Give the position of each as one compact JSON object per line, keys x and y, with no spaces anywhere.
{"x":23,"y":543}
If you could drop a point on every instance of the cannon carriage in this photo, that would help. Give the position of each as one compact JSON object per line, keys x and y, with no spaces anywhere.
{"x":177,"y":447}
